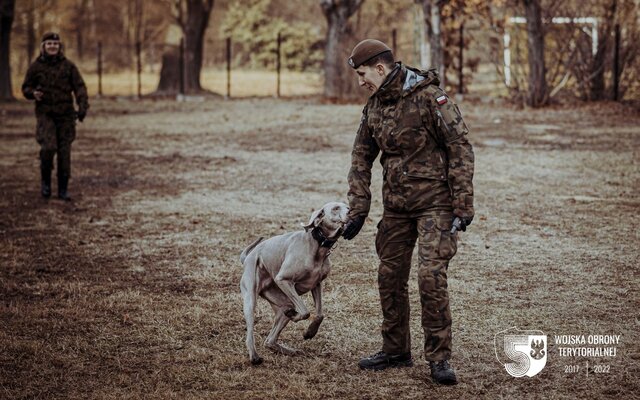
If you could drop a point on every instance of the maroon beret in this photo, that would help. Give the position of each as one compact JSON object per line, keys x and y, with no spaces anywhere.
{"x":50,"y":36}
{"x":365,"y":51}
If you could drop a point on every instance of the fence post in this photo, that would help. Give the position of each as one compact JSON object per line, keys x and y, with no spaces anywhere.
{"x":616,"y":64}
{"x":461,"y":60}
{"x":181,"y":66}
{"x":139,"y":68}
{"x":229,"y":67}
{"x":278,"y":65}
{"x":100,"y":69}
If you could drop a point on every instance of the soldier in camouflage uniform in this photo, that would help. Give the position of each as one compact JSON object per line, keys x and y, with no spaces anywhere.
{"x":427,"y":171}
{"x":52,"y":81}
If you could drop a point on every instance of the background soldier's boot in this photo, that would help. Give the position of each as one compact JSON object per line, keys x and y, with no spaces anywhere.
{"x":63,"y":182}
{"x":45,"y":182}
{"x":443,"y":373}
{"x":382,"y":360}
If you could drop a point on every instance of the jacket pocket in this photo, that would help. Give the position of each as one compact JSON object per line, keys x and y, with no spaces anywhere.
{"x":448,"y":246}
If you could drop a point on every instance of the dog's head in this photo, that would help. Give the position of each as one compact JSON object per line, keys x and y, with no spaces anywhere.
{"x":331,"y":218}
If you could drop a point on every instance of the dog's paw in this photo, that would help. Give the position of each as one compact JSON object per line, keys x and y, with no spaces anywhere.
{"x":313,"y":328}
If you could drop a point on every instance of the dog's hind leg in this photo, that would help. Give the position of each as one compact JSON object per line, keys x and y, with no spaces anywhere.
{"x":249,"y":288}
{"x":271,"y":342}
{"x":280,"y":303}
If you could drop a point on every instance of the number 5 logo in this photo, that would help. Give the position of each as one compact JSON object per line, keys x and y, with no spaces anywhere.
{"x":521,"y":352}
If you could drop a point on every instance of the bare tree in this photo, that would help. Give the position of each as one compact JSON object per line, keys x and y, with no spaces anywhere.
{"x":193,"y":18}
{"x":538,"y":92}
{"x":339,"y":81}
{"x":81,"y":9}
{"x":7,"y":8}
{"x":30,"y":22}
{"x":32,"y":14}
{"x":598,"y":65}
{"x":432,"y":11}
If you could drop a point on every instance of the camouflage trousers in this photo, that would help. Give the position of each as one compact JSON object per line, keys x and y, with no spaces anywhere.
{"x":55,"y":135}
{"x":395,"y":242}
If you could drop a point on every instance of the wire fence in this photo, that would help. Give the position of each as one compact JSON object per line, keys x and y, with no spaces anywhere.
{"x":224,"y":79}
{"x":134,"y":71}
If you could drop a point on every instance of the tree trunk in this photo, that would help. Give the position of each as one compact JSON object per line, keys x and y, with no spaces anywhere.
{"x":431,"y":11}
{"x":31,"y":31}
{"x":436,"y":42}
{"x":538,"y":92}
{"x":426,"y":55}
{"x":80,"y":23}
{"x":194,"y":25}
{"x":170,"y":72}
{"x":339,"y":80}
{"x":597,"y":89}
{"x":92,"y":20}
{"x":7,"y":8}
{"x":197,"y":21}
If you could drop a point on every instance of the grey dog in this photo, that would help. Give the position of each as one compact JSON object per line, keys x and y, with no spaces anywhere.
{"x":282,"y":268}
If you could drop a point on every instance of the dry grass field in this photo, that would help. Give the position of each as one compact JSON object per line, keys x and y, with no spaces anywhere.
{"x":131,"y":291}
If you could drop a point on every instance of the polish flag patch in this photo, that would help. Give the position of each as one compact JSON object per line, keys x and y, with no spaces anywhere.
{"x":442,"y":99}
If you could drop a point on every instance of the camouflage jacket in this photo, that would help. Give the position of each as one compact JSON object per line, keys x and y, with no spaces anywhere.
{"x":57,"y":78}
{"x":426,"y":158}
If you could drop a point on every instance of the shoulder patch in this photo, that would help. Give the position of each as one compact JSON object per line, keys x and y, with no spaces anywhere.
{"x":442,"y":99}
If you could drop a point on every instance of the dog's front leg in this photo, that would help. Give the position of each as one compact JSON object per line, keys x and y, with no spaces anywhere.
{"x":284,"y":282}
{"x":317,"y":320}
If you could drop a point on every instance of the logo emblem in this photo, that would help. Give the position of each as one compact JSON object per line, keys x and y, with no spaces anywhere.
{"x":353,"y":65}
{"x":521,"y":352}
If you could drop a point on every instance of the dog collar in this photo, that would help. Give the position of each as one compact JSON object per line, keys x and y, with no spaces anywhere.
{"x":317,"y":234}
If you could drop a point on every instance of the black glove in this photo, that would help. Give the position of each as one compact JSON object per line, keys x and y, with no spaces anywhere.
{"x":464,"y":222}
{"x":352,"y":227}
{"x":81,"y":115}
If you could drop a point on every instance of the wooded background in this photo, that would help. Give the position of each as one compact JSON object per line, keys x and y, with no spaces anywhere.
{"x":549,"y":61}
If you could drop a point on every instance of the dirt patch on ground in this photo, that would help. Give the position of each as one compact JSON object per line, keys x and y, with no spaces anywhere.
{"x":131,"y":290}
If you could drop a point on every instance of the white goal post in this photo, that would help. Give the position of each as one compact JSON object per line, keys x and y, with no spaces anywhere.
{"x":556,"y":20}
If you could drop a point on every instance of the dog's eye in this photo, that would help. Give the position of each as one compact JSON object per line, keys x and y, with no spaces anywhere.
{"x":336,"y":208}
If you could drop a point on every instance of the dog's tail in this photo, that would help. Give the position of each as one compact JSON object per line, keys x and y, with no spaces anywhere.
{"x":249,"y":248}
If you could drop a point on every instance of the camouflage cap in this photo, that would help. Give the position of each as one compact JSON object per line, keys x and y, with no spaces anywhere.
{"x":365,"y":51}
{"x":50,"y":36}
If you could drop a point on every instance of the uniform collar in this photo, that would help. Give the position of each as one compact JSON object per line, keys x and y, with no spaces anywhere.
{"x":391,"y":88}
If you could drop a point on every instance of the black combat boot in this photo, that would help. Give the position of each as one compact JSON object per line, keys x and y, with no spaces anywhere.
{"x":45,"y":182}
{"x":63,"y":182}
{"x":382,"y":360}
{"x":443,"y":373}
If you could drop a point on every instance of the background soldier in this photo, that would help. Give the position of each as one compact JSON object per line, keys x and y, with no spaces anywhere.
{"x":50,"y":81}
{"x":428,"y":171}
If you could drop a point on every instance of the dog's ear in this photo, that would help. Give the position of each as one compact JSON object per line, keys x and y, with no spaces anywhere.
{"x":316,"y":217}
